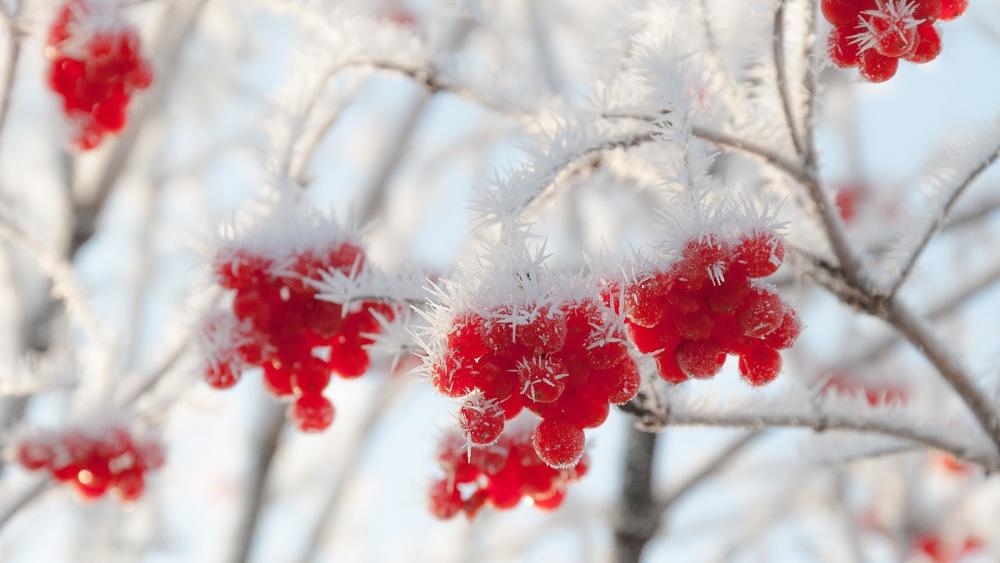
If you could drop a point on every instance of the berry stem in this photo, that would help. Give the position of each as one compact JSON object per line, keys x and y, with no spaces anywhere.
{"x":939,"y":222}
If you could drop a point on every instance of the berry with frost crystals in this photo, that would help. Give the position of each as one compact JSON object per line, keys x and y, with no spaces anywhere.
{"x":96,"y":461}
{"x":875,"y":34}
{"x":700,"y":323}
{"x":481,"y":420}
{"x":277,"y":320}
{"x":760,"y":365}
{"x":96,"y":67}
{"x":565,"y":362}
{"x":500,"y":475}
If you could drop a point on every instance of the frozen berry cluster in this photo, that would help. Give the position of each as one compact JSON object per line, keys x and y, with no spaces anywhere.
{"x":501,"y":474}
{"x":565,"y":363}
{"x":708,"y":304}
{"x":96,"y":67}
{"x":107,"y":458}
{"x":277,"y":322}
{"x":874,"y":34}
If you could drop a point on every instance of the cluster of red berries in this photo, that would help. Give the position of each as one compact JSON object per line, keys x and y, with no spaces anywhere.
{"x":707,"y":305}
{"x":276,"y":322}
{"x":96,"y":67}
{"x":564,"y":363}
{"x":109,"y":458}
{"x":874,"y":34}
{"x":501,"y":474}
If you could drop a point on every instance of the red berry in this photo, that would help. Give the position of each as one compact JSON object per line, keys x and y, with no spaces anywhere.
{"x":645,"y":301}
{"x":760,"y":365}
{"x":951,"y":9}
{"x":542,"y":379}
{"x":892,"y":36}
{"x":130,"y":485}
{"x":670,"y":371}
{"x":546,"y":333}
{"x":277,"y":380}
{"x":312,"y":413}
{"x":626,"y":384}
{"x":761,"y":253}
{"x":876,"y":67}
{"x":222,"y":375}
{"x":845,"y":12}
{"x":444,"y":500}
{"x":928,"y":46}
{"x":761,"y":313}
{"x":35,"y":454}
{"x":453,"y":378}
{"x":927,"y":10}
{"x":558,"y":443}
{"x":481,"y":420}
{"x":551,"y":501}
{"x":700,"y":360}
{"x":787,"y":333}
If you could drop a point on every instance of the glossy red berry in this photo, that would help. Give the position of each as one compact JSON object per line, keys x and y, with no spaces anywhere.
{"x":845,"y":12}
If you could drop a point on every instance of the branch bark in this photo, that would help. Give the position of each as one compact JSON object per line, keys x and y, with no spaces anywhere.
{"x":638,"y":516}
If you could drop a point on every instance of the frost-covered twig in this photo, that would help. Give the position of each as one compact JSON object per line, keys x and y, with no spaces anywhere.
{"x":962,"y":186}
{"x":23,"y":500}
{"x":766,"y":417}
{"x":920,"y":334}
{"x":780,"y":68}
{"x":13,"y":57}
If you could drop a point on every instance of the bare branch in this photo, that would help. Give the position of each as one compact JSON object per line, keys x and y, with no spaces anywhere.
{"x":778,"y":51}
{"x":717,"y":463}
{"x":939,"y":221}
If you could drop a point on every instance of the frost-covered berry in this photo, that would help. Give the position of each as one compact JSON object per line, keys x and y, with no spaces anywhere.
{"x":279,"y":320}
{"x":928,"y":45}
{"x":481,"y":420}
{"x":731,"y":313}
{"x":760,"y":365}
{"x":559,"y":444}
{"x":96,"y":67}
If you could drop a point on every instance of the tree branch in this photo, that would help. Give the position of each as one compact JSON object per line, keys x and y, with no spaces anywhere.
{"x":939,"y":221}
{"x":778,"y":51}
{"x":638,"y":516}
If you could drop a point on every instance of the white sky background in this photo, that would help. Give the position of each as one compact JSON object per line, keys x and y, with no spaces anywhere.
{"x":235,"y":64}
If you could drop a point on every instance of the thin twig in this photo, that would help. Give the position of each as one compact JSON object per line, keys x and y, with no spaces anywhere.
{"x":819,"y":423}
{"x":267,"y":446}
{"x":387,"y":394}
{"x":939,"y":221}
{"x":717,"y":463}
{"x":12,"y":60}
{"x":778,"y":50}
{"x":26,"y":498}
